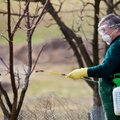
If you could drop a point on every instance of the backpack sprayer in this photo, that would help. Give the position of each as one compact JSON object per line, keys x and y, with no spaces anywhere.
{"x":62,"y":74}
{"x":116,"y":94}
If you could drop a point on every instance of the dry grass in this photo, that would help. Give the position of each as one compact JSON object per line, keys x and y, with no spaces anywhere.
{"x":44,"y":82}
{"x":53,"y":95}
{"x":52,"y":107}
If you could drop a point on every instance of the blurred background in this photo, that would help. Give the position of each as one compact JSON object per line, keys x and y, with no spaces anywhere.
{"x":70,"y":39}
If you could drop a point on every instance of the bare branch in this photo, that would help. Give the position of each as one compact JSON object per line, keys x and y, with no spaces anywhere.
{"x":9,"y":18}
{"x":116,"y":4}
{"x":60,"y":6}
{"x":5,"y":111}
{"x":18,"y":78}
{"x":11,"y":62}
{"x":17,"y":14}
{"x":19,"y":20}
{"x":22,"y":95}
{"x":116,"y":13}
{"x":4,"y":37}
{"x":37,"y":58}
{"x":81,"y":16}
{"x":36,"y":14}
{"x":87,"y":3}
{"x":6,"y":97}
{"x":39,"y":18}
{"x":20,"y":7}
{"x":113,"y":5}
{"x":4,"y":63}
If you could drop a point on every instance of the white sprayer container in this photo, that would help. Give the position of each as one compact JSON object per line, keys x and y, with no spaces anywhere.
{"x":116,"y":94}
{"x":116,"y":100}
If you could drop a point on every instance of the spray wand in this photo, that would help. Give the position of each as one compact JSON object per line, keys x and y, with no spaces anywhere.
{"x":62,"y":74}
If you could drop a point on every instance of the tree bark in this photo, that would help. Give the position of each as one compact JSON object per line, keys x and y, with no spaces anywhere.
{"x":96,"y":97}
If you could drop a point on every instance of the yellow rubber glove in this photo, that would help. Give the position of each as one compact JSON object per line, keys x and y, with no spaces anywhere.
{"x":78,"y":73}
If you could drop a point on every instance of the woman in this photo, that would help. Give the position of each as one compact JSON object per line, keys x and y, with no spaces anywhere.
{"x":109,"y":29}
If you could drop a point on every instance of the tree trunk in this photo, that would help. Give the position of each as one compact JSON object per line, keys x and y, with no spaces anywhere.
{"x":72,"y":39}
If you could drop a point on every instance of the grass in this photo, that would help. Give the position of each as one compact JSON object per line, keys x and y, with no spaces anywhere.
{"x":60,"y":85}
{"x":41,"y":83}
{"x":48,"y":92}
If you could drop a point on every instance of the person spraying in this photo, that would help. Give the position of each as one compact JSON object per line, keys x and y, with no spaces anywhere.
{"x":109,"y":29}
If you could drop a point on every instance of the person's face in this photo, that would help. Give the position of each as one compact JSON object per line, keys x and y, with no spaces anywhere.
{"x":105,"y":29}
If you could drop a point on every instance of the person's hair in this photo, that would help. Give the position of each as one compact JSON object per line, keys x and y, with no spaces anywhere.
{"x":111,"y":20}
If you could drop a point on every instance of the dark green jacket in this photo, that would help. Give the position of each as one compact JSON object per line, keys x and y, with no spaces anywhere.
{"x":110,"y":64}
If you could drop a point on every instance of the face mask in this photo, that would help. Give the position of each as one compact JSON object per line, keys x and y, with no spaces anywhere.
{"x":105,"y":37}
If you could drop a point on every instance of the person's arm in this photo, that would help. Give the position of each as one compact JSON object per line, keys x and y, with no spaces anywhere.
{"x":107,"y":68}
{"x":110,"y":63}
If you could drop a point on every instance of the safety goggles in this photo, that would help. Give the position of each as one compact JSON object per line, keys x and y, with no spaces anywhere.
{"x":102,"y":29}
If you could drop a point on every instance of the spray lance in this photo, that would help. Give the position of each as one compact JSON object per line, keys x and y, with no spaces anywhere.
{"x":62,"y":74}
{"x":116,"y":94}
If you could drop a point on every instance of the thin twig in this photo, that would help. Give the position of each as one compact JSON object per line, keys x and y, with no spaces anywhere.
{"x":18,"y":22}
{"x":5,"y":111}
{"x":60,"y":6}
{"x":1,"y":35}
{"x":4,"y":63}
{"x":40,"y":16}
{"x":18,"y":78}
{"x":37,"y":58}
{"x":6,"y":97}
{"x":17,"y":14}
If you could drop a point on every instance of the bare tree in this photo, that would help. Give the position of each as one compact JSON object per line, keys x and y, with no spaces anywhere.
{"x":11,"y":108}
{"x":76,"y":42}
{"x":113,"y":6}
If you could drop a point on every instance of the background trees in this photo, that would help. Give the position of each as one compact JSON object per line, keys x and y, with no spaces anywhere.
{"x":83,"y":31}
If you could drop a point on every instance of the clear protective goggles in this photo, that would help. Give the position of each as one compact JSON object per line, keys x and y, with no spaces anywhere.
{"x":102,"y":29}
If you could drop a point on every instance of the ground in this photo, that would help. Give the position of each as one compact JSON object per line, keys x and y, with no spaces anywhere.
{"x":56,"y":57}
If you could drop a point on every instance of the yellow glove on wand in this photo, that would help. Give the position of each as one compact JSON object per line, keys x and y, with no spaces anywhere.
{"x":78,"y":73}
